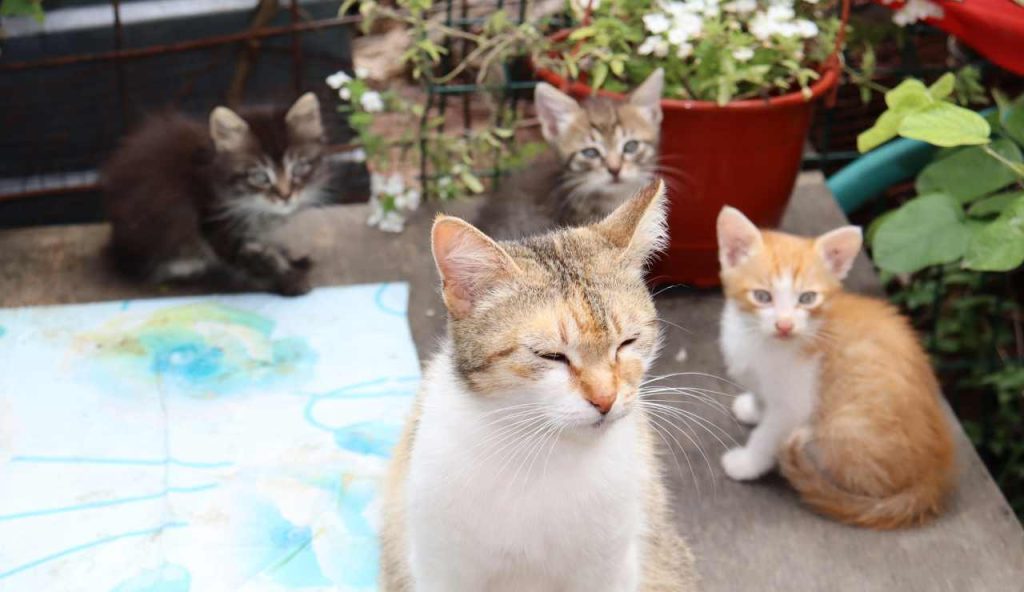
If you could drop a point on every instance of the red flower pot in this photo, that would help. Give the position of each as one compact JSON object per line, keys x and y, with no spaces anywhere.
{"x":745,"y":154}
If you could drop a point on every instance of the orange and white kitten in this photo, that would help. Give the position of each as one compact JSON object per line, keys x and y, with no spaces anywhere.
{"x":843,"y":394}
{"x":528,"y":464}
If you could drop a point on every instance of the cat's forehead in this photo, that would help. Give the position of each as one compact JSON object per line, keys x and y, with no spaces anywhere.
{"x":785,"y":259}
{"x":609,"y":120}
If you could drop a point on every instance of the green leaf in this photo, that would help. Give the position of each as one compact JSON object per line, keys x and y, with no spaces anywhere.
{"x":886,"y":128}
{"x":471,"y":182}
{"x":908,"y":95}
{"x":1012,"y":121}
{"x":599,"y":74}
{"x":927,"y":230}
{"x":999,"y":246}
{"x":994,"y":204}
{"x":869,"y":236}
{"x":969,"y":173}
{"x":945,"y":124}
{"x":943,"y":87}
{"x":33,"y":8}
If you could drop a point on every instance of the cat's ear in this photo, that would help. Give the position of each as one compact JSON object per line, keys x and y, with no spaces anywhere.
{"x":638,"y":226}
{"x":738,"y":238}
{"x":229,"y":131}
{"x":839,"y":249}
{"x":647,"y":96}
{"x":469,"y":262}
{"x":303,"y":119}
{"x":555,"y":109}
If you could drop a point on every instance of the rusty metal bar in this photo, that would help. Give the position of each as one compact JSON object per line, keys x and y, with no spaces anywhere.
{"x":154,"y":50}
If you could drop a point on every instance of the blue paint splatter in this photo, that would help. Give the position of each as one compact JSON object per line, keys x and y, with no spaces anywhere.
{"x":389,"y":308}
{"x":203,"y":349}
{"x":3,"y":331}
{"x":166,"y":578}
{"x":376,"y":438}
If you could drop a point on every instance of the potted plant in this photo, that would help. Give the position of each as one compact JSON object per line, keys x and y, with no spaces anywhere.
{"x":741,"y":81}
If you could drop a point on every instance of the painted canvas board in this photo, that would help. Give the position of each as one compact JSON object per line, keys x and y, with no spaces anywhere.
{"x":200,"y":444}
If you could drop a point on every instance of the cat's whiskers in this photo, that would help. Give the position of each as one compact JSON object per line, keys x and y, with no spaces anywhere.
{"x":701,"y":422}
{"x":668,"y":426}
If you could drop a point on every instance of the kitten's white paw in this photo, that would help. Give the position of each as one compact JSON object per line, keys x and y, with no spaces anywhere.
{"x":742,"y":465}
{"x":745,"y":408}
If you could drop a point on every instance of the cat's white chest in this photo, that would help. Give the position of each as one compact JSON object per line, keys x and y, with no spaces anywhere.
{"x":501,"y":512}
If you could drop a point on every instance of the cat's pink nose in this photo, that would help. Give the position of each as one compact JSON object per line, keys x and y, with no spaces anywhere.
{"x":614,"y":171}
{"x":603,"y":402}
{"x":784,"y":326}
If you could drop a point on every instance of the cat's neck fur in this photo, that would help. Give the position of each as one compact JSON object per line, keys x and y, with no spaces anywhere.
{"x":526,"y":496}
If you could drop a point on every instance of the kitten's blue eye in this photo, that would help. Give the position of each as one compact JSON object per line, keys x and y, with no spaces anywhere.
{"x":590,"y":153}
{"x":808,"y":298}
{"x":630,"y":147}
{"x":258,"y":177}
{"x":762,"y":296}
{"x":301,"y":168}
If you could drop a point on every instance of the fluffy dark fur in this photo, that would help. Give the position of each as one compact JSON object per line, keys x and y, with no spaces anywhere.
{"x":184,"y":198}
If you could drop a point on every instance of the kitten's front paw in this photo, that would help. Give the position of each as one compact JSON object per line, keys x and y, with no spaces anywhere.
{"x":294,"y":284}
{"x":303,"y":263}
{"x":745,"y":408}
{"x":742,"y":465}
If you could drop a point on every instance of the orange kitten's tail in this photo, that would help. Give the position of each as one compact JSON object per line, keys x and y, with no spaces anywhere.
{"x":908,"y":507}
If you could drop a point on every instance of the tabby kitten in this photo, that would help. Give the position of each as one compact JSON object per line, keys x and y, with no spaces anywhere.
{"x":527,"y":464}
{"x":603,"y":151}
{"x":184,"y":198}
{"x":844,"y":395}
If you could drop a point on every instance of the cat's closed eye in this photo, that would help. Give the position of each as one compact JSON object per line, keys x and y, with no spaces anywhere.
{"x":553,"y":357}
{"x":627,"y":342}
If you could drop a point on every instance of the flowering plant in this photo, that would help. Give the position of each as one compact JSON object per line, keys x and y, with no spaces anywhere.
{"x":712,"y":50}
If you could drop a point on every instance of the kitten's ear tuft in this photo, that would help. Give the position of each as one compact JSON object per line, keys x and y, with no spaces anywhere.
{"x":303,"y":119}
{"x":647,"y":96}
{"x":738,"y":238}
{"x":839,"y":248}
{"x":469,"y":263}
{"x":638,"y":226}
{"x":228,"y":131}
{"x":555,"y":109}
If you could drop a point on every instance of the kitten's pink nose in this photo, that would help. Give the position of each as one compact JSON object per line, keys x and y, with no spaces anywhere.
{"x":784,"y":326}
{"x":614,"y":171}
{"x":603,"y":403}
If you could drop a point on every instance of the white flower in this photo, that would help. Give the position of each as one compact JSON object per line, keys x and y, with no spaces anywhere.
{"x":338,"y":80}
{"x":653,"y":46}
{"x":372,"y":101}
{"x":780,"y":12}
{"x":392,"y":184}
{"x":361,"y":72}
{"x":743,"y":54}
{"x":806,"y":28}
{"x":916,"y":10}
{"x":684,"y":50}
{"x":581,"y":5}
{"x":685,"y":26}
{"x":344,"y":94}
{"x":409,"y":200}
{"x":741,"y":6}
{"x":656,"y":23}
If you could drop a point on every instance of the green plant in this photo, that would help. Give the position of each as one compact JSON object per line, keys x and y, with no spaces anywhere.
{"x":709,"y":50}
{"x":970,"y":203}
{"x":455,"y":161}
{"x":953,"y":256}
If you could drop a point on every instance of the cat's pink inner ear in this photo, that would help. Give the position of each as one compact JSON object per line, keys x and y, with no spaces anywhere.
{"x":647,"y":96}
{"x":470,"y":263}
{"x":555,"y":110}
{"x":839,"y":249}
{"x":738,"y":237}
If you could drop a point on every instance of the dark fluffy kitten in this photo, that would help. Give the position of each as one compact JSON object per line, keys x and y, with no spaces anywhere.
{"x":603,"y":152}
{"x":185,"y":198}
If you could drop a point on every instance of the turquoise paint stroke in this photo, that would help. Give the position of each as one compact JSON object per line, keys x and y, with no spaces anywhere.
{"x":375,"y":438}
{"x":383,"y":306}
{"x":107,"y":503}
{"x":89,"y":460}
{"x":89,"y":545}
{"x":3,"y":331}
